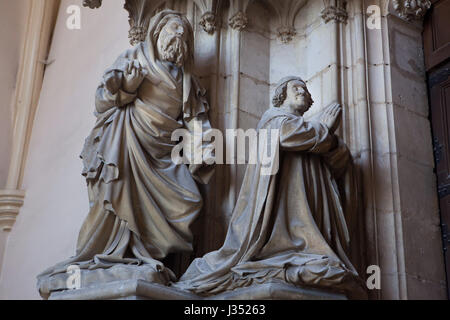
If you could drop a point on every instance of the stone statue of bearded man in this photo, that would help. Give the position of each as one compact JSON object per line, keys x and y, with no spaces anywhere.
{"x":142,"y":204}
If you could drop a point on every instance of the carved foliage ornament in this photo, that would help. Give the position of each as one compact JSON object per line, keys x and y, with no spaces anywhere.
{"x":411,"y":9}
{"x":140,"y":12}
{"x":93,"y":4}
{"x":334,"y":10}
{"x":208,"y":22}
{"x":334,"y":13}
{"x":285,"y":34}
{"x":239,"y":21}
{"x":208,"y":8}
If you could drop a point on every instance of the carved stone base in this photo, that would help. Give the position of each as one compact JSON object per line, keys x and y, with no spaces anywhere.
{"x":125,"y":290}
{"x":143,"y":290}
{"x":10,"y":203}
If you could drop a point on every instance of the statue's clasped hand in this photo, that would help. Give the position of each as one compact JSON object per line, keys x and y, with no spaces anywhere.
{"x":134,"y":74}
{"x":331,"y":117}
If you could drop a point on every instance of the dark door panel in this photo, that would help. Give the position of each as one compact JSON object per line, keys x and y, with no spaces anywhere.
{"x":437,"y":58}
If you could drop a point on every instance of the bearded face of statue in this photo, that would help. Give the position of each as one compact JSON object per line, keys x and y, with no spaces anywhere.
{"x":298,"y":97}
{"x":172,"y":42}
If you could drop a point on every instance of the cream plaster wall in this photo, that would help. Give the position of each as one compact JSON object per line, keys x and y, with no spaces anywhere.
{"x":56,"y":202}
{"x":13,"y":21}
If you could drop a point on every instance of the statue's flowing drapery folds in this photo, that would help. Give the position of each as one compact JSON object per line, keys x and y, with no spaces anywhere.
{"x":141,"y":204}
{"x":293,"y":226}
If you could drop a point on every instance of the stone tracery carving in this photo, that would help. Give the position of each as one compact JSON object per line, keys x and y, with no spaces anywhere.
{"x":411,"y":9}
{"x":140,"y":12}
{"x":286,"y":12}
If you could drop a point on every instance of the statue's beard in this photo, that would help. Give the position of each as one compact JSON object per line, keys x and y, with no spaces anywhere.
{"x":174,"y":50}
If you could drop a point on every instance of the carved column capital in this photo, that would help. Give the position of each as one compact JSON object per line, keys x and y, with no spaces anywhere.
{"x":238,"y":21}
{"x":10,"y":203}
{"x":411,"y":10}
{"x":93,"y":4}
{"x":208,"y":22}
{"x":336,"y":13}
{"x":285,"y":34}
{"x":286,"y":12}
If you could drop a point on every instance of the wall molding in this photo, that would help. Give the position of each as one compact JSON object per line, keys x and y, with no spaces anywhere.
{"x":10,"y":203}
{"x":41,"y":22}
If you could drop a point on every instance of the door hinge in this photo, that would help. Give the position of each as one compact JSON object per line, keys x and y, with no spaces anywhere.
{"x":445,"y":236}
{"x":437,"y":149}
{"x":443,"y":190}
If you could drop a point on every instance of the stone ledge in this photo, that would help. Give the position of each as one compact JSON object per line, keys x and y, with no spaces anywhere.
{"x":143,"y":290}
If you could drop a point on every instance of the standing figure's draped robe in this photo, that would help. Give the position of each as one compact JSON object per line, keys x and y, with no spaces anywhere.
{"x":141,"y":203}
{"x":295,"y":225}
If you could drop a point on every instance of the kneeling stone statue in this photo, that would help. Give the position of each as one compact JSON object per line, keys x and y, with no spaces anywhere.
{"x":295,"y":225}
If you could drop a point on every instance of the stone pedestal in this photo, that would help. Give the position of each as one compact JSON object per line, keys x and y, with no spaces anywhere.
{"x":143,"y":290}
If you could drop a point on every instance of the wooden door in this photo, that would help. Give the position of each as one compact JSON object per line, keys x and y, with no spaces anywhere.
{"x":437,"y":60}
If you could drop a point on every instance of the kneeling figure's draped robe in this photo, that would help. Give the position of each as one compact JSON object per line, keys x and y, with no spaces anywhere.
{"x":292,"y":226}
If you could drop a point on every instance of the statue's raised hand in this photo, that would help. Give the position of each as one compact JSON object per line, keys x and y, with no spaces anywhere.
{"x":113,"y":81}
{"x":331,"y":117}
{"x":133,"y":76}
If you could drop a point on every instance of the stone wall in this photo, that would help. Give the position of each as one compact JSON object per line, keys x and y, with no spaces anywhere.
{"x":418,"y":199}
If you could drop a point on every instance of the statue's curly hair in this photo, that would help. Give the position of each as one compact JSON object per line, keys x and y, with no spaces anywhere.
{"x":281,"y":91}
